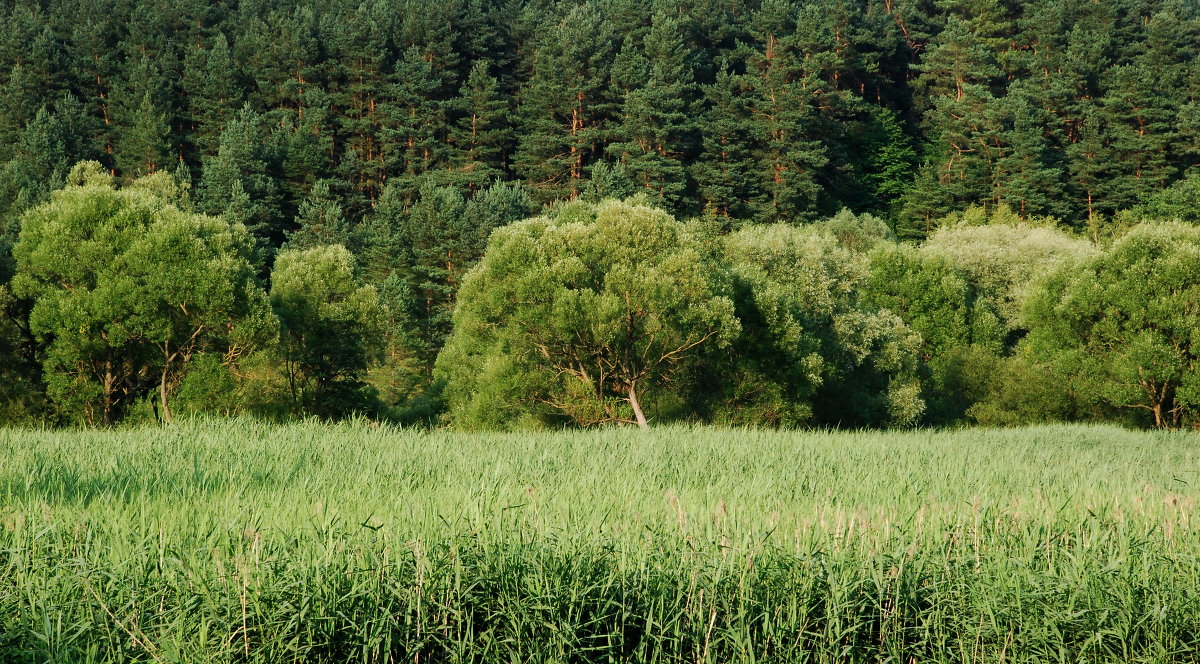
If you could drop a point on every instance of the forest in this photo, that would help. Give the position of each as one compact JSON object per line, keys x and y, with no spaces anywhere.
{"x":542,"y":213}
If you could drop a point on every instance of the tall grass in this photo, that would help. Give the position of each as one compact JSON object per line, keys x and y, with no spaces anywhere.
{"x":222,"y":541}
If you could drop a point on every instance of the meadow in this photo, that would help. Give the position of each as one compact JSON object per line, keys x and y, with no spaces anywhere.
{"x":240,"y":541}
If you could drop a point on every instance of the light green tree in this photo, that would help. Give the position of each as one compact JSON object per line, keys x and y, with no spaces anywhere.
{"x":1001,"y":255}
{"x":810,"y":349}
{"x":581,"y":315}
{"x":959,"y":330}
{"x":129,"y":289}
{"x":331,"y":329}
{"x":1124,"y":328}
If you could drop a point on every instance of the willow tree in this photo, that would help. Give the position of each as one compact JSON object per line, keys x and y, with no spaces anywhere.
{"x":811,"y":351}
{"x":1122,"y":328}
{"x":331,"y":329}
{"x":129,"y":289}
{"x":581,"y":314}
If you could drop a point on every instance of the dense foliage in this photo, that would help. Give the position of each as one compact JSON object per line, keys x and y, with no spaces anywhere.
{"x":234,"y":540}
{"x":925,"y":164}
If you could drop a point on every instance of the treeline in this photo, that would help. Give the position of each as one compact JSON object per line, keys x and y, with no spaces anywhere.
{"x":126,"y":304}
{"x":282,"y":112}
{"x":406,"y":132}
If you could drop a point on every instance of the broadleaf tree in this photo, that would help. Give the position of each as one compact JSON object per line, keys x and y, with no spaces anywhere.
{"x":581,"y":315}
{"x":128,"y":288}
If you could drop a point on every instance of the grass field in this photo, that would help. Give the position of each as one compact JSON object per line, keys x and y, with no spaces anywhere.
{"x":238,"y":541}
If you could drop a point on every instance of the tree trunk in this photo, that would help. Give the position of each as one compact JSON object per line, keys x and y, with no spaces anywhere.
{"x":162,"y":395}
{"x":637,"y":407}
{"x":109,"y":379}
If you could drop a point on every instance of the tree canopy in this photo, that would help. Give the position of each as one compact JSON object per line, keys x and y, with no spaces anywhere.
{"x":129,"y":289}
{"x":582,"y":313}
{"x":1122,"y":328}
{"x":289,"y":197}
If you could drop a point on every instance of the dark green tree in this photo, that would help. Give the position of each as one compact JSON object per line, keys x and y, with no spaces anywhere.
{"x":656,"y":132}
{"x":142,"y":113}
{"x":482,"y":136}
{"x":566,"y":104}
{"x":213,"y":94}
{"x":241,"y":181}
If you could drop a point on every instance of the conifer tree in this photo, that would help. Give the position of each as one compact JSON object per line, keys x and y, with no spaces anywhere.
{"x":655,"y":134}
{"x":482,"y":136}
{"x":565,"y":105}
{"x":319,"y":221}
{"x":45,"y":152}
{"x":1028,"y":178}
{"x":363,"y":51}
{"x":789,"y":154}
{"x":141,"y":112}
{"x":241,"y":181}
{"x":726,"y":172}
{"x":213,"y":94}
{"x":413,"y":141}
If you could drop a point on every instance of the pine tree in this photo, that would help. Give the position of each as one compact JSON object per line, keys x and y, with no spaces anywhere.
{"x":362,"y":44}
{"x":482,"y":136}
{"x":426,"y":248}
{"x":430,"y":27}
{"x":1140,"y":123}
{"x":241,"y":181}
{"x":726,"y":172}
{"x":144,"y":145}
{"x":656,"y":133}
{"x":954,"y":62}
{"x":565,"y":106}
{"x":36,"y":75}
{"x":784,"y":102}
{"x":967,"y":141}
{"x":281,"y":52}
{"x":1091,"y":165}
{"x":309,"y":146}
{"x":94,"y":62}
{"x":413,"y":141}
{"x":48,"y":147}
{"x":1028,"y":177}
{"x":213,"y":95}
{"x":889,"y":157}
{"x":141,"y":114}
{"x":319,"y":221}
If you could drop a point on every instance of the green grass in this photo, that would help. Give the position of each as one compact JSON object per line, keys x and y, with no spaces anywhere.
{"x":245,"y":542}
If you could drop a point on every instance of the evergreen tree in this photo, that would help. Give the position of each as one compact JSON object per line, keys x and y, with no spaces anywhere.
{"x":889,"y":159}
{"x":213,"y":95}
{"x":656,"y":131}
{"x":414,"y":140}
{"x":1028,"y":178}
{"x":430,"y":246}
{"x":319,"y":221}
{"x":47,"y":149}
{"x":363,"y":58}
{"x":789,"y":155}
{"x":726,"y":172}
{"x":141,"y":112}
{"x":1139,"y":121}
{"x":955,"y":61}
{"x":241,"y":181}
{"x":482,"y":137}
{"x":281,"y":52}
{"x":565,"y":105}
{"x":309,"y":144}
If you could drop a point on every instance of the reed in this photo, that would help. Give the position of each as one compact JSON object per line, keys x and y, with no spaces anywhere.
{"x":240,"y":541}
